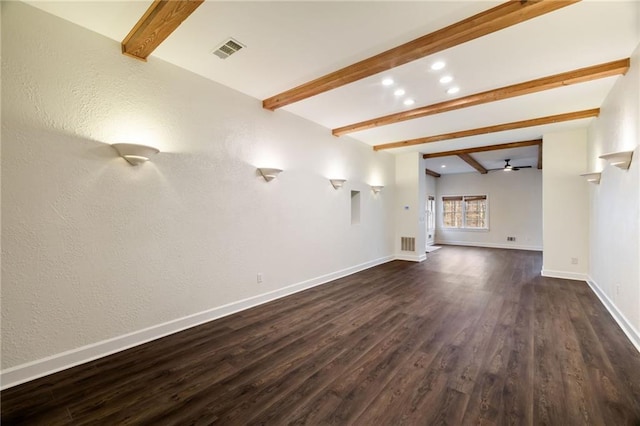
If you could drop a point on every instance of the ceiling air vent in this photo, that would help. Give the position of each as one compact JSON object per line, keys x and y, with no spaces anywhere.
{"x":228,"y":48}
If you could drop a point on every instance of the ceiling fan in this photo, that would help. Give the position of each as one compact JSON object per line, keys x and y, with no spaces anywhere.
{"x":508,"y":167}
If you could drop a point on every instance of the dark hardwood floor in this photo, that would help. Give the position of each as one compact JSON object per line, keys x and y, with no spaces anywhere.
{"x":470,"y":336}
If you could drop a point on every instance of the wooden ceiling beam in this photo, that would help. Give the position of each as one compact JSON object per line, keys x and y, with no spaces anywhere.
{"x":577,"y":115}
{"x":432,"y":173}
{"x":546,"y":83}
{"x":473,"y":163}
{"x":502,"y":16}
{"x":157,"y":23}
{"x":483,"y":148}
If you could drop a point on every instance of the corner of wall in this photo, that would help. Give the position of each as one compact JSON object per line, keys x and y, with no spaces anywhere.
{"x":565,"y":204}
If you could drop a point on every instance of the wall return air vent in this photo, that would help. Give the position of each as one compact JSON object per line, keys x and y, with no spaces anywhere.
{"x":407,"y":244}
{"x":228,"y":48}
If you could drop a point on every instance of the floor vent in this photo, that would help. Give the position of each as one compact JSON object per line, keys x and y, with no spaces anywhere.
{"x":228,"y":48}
{"x":407,"y":244}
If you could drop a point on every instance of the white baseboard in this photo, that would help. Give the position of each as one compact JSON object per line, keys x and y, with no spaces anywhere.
{"x":564,"y":275}
{"x":35,"y":369}
{"x":489,"y":245}
{"x":411,"y":257}
{"x":625,"y":325}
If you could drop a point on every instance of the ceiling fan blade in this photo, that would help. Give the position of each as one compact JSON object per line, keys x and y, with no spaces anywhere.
{"x":516,"y":168}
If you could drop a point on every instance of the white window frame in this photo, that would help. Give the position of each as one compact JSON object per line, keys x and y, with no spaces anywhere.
{"x":464,"y":226}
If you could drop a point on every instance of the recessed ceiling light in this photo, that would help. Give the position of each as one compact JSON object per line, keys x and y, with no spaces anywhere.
{"x":387,"y":81}
{"x":399,"y":92}
{"x":446,"y":79}
{"x":437,"y":65}
{"x":409,"y":102}
{"x":443,"y":166}
{"x":453,"y":90}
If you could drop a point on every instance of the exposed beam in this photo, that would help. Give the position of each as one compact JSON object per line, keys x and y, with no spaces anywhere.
{"x":483,"y":148}
{"x":160,"y":20}
{"x":540,"y":156}
{"x":502,"y":16}
{"x":432,"y":173}
{"x":473,"y":163}
{"x":577,"y":115}
{"x":546,"y":83}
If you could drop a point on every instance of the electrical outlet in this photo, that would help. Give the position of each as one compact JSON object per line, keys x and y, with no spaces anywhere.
{"x":511,"y":238}
{"x":259,"y":277}
{"x":574,"y":260}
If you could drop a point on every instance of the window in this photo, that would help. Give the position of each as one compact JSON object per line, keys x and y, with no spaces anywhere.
{"x":452,"y":212}
{"x":465,"y":212}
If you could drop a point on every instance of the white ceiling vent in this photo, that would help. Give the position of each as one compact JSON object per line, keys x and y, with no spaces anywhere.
{"x":228,"y":48}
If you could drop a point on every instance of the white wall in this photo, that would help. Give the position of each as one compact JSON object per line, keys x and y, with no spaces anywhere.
{"x":408,"y":206}
{"x":565,"y":205}
{"x":614,"y":204}
{"x":515,"y":208}
{"x":430,"y":189}
{"x":93,"y":249}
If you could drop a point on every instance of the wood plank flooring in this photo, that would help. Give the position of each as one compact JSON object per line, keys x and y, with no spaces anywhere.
{"x":470,"y":336}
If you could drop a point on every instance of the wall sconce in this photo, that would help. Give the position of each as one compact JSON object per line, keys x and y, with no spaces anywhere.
{"x":337,"y":183}
{"x":621,"y":160}
{"x":269,"y":174}
{"x":592,"y":177}
{"x":376,"y":188}
{"x":135,"y":154}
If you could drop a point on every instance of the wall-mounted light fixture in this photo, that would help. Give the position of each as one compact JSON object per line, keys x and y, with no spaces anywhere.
{"x":593,"y":177}
{"x":269,"y":174}
{"x":621,"y":160}
{"x":376,"y":188}
{"x":337,"y":183}
{"x":135,"y":154}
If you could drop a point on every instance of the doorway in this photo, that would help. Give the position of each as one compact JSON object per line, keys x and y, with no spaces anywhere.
{"x":430,"y":220}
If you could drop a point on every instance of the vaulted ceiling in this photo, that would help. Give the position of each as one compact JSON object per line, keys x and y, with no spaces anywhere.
{"x":522,"y":68}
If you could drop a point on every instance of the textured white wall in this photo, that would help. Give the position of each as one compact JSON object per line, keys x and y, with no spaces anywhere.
{"x":93,"y":248}
{"x":565,"y":204}
{"x":515,"y":208}
{"x":615,"y":203}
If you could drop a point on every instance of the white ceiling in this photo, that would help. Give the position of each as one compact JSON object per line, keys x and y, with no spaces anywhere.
{"x":491,"y":160}
{"x":290,"y":43}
